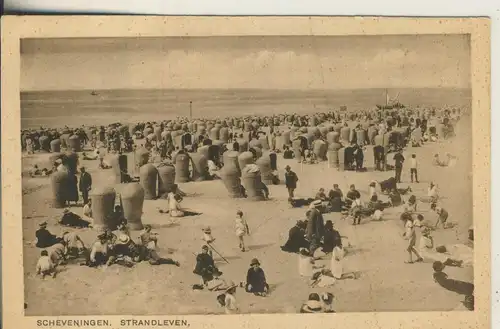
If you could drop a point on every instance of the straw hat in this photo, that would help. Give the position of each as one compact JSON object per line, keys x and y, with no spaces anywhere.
{"x":66,"y":210}
{"x":123,"y":238}
{"x":231,"y":285}
{"x":316,"y":203}
{"x":207,"y":230}
{"x":43,"y":224}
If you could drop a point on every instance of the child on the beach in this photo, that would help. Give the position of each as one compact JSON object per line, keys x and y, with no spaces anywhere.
{"x":45,"y":266}
{"x":411,"y":235}
{"x":241,"y":227}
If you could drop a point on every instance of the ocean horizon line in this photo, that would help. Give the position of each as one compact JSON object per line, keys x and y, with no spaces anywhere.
{"x":242,"y":89}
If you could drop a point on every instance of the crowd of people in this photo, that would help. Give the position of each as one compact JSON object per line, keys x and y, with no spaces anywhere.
{"x":311,"y":238}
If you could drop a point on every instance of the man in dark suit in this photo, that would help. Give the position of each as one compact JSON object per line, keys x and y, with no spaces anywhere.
{"x":85,"y":184}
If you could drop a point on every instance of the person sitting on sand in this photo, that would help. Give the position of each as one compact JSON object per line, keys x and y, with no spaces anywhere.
{"x":124,"y":252}
{"x":217,"y":283}
{"x":335,"y":197}
{"x":411,"y":204}
{"x":71,"y":219}
{"x":44,"y":238}
{"x":287,"y":153}
{"x":372,"y":189}
{"x":205,"y":265}
{"x":87,"y":211}
{"x":148,"y":241}
{"x":99,"y":252}
{"x":331,"y":239}
{"x":117,"y":218}
{"x":296,"y":239}
{"x":213,"y":170}
{"x":34,"y":171}
{"x":307,"y":266}
{"x":44,"y":266}
{"x":437,"y":162}
{"x":174,"y":206}
{"x":426,"y":250}
{"x":256,"y":279}
{"x":313,"y":305}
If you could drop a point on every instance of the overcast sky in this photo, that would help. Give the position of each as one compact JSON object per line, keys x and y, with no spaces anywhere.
{"x":246,"y":62}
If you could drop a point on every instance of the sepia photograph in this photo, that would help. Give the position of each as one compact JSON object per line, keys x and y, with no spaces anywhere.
{"x":248,"y":174}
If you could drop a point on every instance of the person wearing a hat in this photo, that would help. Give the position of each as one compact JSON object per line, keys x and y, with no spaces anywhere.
{"x":291,"y":180}
{"x":399,"y":159}
{"x":315,"y":226}
{"x":205,"y":265}
{"x":241,"y":228}
{"x":256,"y":279}
{"x":296,"y":239}
{"x":313,"y":304}
{"x":44,"y":238}
{"x":85,"y":184}
{"x":230,"y":305}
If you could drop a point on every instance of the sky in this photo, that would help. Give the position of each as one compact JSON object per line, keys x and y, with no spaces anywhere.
{"x":302,"y":62}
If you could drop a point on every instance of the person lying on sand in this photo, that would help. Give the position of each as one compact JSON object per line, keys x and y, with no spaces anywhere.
{"x":426,"y":249}
{"x":71,"y":219}
{"x":87,"y":156}
{"x":460,"y":287}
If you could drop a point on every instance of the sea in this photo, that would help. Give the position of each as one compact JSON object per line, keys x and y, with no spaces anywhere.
{"x":74,"y":108}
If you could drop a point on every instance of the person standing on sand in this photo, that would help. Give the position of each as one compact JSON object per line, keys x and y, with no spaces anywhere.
{"x":413,"y":168}
{"x":241,"y":227}
{"x":399,"y":159}
{"x":291,"y":180}
{"x":411,"y":235}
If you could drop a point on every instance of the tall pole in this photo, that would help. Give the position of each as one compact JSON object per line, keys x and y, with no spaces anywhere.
{"x":191,"y":110}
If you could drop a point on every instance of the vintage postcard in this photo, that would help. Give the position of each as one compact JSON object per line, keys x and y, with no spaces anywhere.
{"x":171,"y":171}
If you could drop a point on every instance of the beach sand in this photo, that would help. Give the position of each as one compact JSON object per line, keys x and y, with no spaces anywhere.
{"x":386,"y":283}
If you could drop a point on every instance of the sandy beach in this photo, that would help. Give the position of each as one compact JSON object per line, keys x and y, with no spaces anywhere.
{"x":378,"y":253}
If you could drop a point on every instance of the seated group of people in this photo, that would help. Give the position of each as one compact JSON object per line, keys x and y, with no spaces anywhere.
{"x":108,"y":249}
